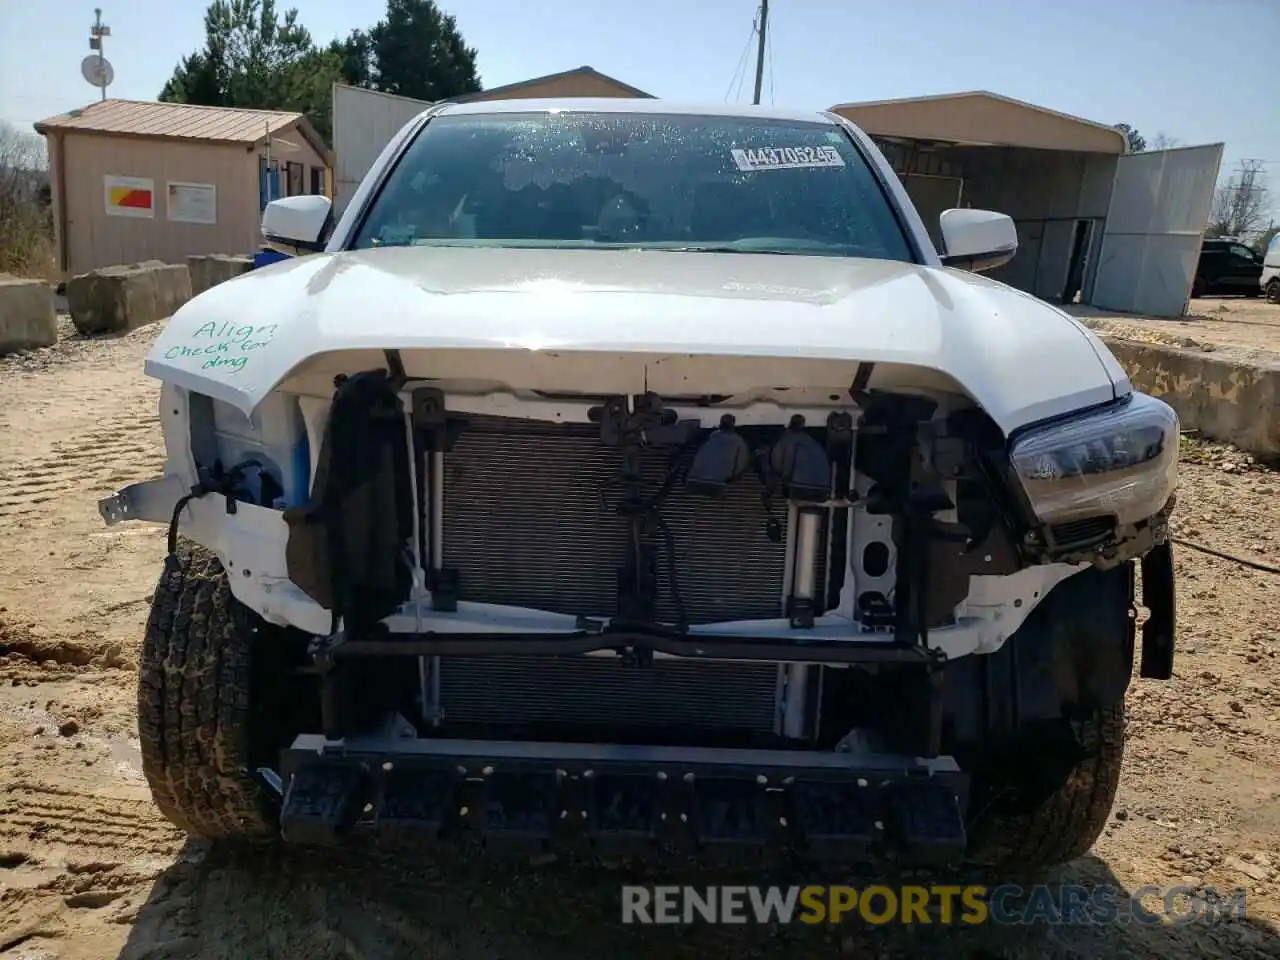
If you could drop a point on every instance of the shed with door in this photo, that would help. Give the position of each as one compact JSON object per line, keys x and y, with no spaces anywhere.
{"x":140,"y":180}
{"x":1096,"y":225}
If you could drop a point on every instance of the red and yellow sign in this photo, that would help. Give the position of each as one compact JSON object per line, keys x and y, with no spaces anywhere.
{"x":129,"y":196}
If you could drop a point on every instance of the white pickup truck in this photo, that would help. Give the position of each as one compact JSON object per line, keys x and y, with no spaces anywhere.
{"x":623,"y":474}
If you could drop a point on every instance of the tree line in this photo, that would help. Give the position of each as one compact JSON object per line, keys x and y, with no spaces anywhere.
{"x":258,"y":57}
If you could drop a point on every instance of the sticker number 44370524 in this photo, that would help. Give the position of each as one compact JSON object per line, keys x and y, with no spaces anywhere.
{"x":787,"y":158}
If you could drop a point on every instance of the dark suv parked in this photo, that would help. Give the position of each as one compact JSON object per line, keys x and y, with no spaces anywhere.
{"x":1227,"y":266}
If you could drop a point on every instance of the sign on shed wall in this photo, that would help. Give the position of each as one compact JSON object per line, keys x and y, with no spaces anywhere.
{"x":129,"y":196}
{"x":192,"y":202}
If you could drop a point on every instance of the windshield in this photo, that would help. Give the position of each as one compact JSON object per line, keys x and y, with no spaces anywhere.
{"x":580,"y":180}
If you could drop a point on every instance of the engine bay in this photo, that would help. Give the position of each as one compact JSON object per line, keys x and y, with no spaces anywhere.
{"x":655,"y":514}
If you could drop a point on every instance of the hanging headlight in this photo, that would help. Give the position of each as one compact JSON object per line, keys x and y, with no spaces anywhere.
{"x":1122,"y":461}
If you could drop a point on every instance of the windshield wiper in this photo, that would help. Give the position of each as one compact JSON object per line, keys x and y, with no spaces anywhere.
{"x":727,"y":248}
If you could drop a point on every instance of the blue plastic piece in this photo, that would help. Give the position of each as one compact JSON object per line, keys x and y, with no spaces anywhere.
{"x":264,"y":257}
{"x":301,"y":471}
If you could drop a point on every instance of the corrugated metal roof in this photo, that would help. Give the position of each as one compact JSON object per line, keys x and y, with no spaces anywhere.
{"x":179,"y":121}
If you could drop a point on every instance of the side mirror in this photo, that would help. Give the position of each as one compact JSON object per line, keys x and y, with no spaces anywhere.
{"x":298,"y":224}
{"x":977,"y":240}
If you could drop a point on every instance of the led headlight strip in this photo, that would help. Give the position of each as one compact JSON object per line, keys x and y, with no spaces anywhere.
{"x":1121,"y":461}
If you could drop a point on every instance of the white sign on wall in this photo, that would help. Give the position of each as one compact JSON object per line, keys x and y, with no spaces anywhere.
{"x":129,"y":196}
{"x":192,"y":202}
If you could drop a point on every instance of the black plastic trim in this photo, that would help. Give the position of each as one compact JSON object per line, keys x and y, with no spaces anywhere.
{"x":1159,"y":597}
{"x":1082,"y":413}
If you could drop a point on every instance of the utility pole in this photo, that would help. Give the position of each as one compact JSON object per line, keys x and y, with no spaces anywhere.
{"x":1249,"y":170}
{"x":1244,"y":200}
{"x":764,"y":25}
{"x":96,"y":33}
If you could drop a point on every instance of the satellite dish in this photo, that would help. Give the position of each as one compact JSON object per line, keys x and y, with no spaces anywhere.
{"x":97,"y":71}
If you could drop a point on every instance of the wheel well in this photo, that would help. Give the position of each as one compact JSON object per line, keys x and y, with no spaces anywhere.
{"x":1072,"y":658}
{"x":284,"y":693}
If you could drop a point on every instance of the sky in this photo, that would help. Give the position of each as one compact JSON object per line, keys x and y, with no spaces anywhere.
{"x":1200,"y":71}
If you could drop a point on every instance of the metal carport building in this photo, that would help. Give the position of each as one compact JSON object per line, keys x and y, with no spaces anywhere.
{"x":1095,"y":225}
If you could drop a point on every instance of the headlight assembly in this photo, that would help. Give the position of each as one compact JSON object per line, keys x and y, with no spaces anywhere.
{"x":1122,"y":461}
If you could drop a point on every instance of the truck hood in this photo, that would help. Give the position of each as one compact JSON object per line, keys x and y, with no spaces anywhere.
{"x":1020,"y":358}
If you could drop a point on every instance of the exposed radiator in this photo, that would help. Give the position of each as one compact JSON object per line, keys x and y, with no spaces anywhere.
{"x":596,"y":691}
{"x":529,"y":521}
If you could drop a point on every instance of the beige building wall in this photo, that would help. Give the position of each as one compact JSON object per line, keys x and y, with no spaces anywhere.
{"x":571,"y":85}
{"x":980,"y":119}
{"x":290,"y":146}
{"x":95,"y":238}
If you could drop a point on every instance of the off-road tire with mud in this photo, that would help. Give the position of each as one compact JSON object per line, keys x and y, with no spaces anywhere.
{"x":196,"y":717}
{"x":1066,"y":824}
{"x":1273,"y":291}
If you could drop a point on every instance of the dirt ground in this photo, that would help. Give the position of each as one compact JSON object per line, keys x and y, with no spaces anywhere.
{"x":88,"y":869}
{"x":1247,"y":328}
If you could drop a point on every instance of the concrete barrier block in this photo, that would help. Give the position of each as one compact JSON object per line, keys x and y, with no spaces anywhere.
{"x":1229,"y":400}
{"x":27,"y":316}
{"x":209,"y":271}
{"x":114,"y":299}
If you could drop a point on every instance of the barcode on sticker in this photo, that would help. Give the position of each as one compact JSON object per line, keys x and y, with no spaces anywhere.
{"x":787,"y":158}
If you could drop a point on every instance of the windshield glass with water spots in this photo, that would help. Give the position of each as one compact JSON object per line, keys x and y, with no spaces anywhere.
{"x":663,"y":182}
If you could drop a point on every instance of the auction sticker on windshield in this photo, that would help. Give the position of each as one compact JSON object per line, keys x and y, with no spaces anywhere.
{"x":787,"y":158}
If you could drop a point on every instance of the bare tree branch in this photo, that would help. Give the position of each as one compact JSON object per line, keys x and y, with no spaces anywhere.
{"x":1240,"y":206}
{"x":26,"y":229}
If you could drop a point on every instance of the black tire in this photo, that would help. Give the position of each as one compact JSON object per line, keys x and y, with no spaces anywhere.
{"x":195,"y":705}
{"x":1066,"y":824}
{"x":1198,"y":287}
{"x":1273,"y":291}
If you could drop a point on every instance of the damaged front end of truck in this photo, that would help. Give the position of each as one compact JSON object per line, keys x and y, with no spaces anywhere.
{"x":618,"y":475}
{"x":832,"y":619}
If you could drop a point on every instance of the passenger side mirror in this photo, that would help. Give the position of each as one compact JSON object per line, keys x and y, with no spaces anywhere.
{"x":298,"y":224}
{"x":977,"y":240}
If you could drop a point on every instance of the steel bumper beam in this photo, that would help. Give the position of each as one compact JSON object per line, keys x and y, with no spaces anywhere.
{"x":633,"y":644}
{"x":618,"y":800}
{"x":151,"y":500}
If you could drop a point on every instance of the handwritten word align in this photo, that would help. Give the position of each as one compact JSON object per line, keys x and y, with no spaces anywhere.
{"x":223,"y":346}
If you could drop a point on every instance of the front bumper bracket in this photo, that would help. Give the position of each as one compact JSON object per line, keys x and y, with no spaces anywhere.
{"x":151,"y":500}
